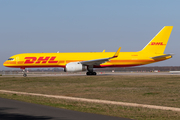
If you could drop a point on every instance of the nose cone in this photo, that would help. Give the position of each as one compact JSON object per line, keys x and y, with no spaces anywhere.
{"x":9,"y":63}
{"x":5,"y":63}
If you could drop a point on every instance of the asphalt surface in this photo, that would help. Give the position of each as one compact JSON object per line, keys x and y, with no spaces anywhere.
{"x":98,"y":74}
{"x":17,"y":110}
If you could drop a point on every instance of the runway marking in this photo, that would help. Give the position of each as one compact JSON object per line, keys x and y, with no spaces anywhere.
{"x":96,"y":101}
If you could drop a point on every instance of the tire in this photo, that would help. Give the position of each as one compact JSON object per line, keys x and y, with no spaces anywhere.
{"x":87,"y":73}
{"x":91,"y":73}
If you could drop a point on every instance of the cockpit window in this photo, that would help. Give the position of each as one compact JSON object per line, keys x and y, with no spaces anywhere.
{"x":11,"y":59}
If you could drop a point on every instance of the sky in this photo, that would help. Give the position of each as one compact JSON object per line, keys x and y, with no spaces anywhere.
{"x":33,"y":26}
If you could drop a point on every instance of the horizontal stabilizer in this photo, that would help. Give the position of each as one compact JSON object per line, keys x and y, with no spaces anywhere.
{"x":162,"y":56}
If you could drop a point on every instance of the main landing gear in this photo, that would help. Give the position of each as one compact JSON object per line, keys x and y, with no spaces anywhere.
{"x":90,"y":71}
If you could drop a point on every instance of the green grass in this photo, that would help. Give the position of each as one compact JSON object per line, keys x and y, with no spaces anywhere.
{"x":111,"y":110}
{"x":154,"y":90}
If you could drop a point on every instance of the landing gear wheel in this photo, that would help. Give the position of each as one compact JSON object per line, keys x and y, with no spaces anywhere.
{"x":94,"y":73}
{"x":88,"y":73}
{"x":91,"y":73}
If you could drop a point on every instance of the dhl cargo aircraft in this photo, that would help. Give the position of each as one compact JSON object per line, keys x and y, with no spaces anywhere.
{"x":74,"y":62}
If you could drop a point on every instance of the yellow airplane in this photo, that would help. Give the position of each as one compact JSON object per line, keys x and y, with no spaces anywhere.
{"x":74,"y":62}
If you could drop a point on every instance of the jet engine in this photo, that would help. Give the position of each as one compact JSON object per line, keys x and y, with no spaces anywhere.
{"x":74,"y":67}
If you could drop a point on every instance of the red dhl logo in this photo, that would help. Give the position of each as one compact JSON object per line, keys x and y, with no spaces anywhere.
{"x":157,"y":43}
{"x":30,"y":60}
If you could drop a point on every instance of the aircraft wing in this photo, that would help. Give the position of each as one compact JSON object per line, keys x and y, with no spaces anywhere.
{"x":162,"y":56}
{"x":100,"y":61}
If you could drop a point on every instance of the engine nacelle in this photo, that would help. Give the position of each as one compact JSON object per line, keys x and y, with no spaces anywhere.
{"x":74,"y":67}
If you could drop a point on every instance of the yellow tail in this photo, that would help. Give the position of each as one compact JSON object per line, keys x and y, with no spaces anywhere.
{"x":158,"y":44}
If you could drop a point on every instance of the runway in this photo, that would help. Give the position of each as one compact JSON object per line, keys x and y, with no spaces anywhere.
{"x":17,"y":110}
{"x":98,"y":74}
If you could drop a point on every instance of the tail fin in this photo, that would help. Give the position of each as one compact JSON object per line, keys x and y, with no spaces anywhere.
{"x":158,"y":44}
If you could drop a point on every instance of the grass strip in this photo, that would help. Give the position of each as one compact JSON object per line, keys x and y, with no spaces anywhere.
{"x":153,"y":90}
{"x":104,"y":109}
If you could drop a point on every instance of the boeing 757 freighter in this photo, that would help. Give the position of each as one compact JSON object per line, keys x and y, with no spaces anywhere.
{"x":86,"y":61}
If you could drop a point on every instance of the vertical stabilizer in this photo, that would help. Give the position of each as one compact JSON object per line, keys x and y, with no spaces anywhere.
{"x":158,"y":44}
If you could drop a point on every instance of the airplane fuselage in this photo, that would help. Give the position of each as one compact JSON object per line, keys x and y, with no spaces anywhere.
{"x":124,"y":59}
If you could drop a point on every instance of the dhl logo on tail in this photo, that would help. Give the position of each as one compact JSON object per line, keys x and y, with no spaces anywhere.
{"x":157,"y":43}
{"x":47,"y":59}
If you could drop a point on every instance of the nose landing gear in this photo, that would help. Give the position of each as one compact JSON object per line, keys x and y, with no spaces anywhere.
{"x":24,"y":72}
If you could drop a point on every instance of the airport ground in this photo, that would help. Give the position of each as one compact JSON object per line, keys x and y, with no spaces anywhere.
{"x":160,"y":89}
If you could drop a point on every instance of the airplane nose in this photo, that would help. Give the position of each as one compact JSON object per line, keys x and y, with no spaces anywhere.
{"x":5,"y":63}
{"x":9,"y":63}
